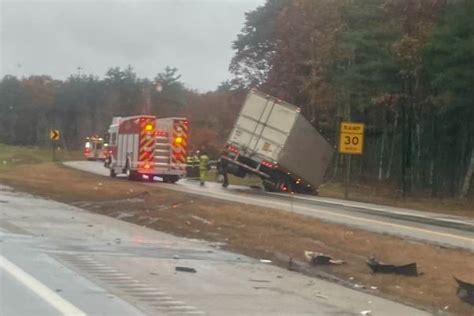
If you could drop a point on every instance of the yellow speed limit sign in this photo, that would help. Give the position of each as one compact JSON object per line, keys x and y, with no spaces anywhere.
{"x":351,"y":139}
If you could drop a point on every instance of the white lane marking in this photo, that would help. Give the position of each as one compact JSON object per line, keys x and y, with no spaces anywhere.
{"x":52,"y":298}
{"x":164,"y":298}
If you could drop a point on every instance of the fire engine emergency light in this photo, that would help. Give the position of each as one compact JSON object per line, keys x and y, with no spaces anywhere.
{"x":148,"y":127}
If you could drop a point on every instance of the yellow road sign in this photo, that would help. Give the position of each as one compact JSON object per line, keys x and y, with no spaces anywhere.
{"x":54,"y":134}
{"x":351,"y":138}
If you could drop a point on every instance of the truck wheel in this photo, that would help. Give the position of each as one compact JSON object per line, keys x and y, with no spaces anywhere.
{"x":112,"y":172}
{"x":269,"y":186}
{"x":170,"y":179}
{"x":133,"y":175}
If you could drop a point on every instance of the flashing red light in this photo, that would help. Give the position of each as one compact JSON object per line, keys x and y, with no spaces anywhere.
{"x":233,"y":149}
{"x":267,"y":164}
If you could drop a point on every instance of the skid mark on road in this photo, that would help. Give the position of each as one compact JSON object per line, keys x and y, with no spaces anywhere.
{"x":155,"y":298}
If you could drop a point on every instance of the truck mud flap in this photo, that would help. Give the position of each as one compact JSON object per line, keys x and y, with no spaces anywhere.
{"x":376,"y":266}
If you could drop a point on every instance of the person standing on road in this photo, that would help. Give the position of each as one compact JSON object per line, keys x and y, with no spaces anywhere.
{"x":203,"y":166}
{"x":223,"y":163}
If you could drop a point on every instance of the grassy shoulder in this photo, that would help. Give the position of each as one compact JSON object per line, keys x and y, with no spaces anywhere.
{"x":261,"y":233}
{"x":11,"y":156}
{"x":385,"y":194}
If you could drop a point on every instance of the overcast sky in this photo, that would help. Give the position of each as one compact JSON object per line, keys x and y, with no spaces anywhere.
{"x":57,"y":37}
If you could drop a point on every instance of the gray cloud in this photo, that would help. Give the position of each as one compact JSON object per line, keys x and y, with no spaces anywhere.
{"x":55,"y":38}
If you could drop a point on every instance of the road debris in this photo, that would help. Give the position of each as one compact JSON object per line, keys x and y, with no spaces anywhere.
{"x":265,"y":261}
{"x":261,"y":281}
{"x":316,"y":258}
{"x":321,"y":296}
{"x":465,"y":291}
{"x":185,"y":269}
{"x":200,"y":219}
{"x":366,"y":313}
{"x":381,"y":267}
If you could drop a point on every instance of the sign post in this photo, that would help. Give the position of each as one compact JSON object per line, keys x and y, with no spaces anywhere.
{"x":54,"y":136}
{"x":351,"y":142}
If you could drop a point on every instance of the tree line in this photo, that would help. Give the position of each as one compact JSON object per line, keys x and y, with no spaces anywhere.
{"x":83,"y":105}
{"x":403,"y":67}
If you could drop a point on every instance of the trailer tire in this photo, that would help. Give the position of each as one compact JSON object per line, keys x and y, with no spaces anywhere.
{"x":269,"y":186}
{"x":133,"y":175}
{"x":170,"y":179}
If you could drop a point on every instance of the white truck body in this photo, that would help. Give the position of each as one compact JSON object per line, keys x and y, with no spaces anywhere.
{"x":272,"y":139}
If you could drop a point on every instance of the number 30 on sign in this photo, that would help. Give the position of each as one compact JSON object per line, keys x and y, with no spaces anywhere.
{"x":351,"y":138}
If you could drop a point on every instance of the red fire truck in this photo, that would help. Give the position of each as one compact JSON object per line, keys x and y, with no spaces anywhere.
{"x":144,"y":146}
{"x":95,"y":148}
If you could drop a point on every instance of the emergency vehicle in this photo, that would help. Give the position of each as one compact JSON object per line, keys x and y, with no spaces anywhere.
{"x":95,"y":148}
{"x":144,"y":146}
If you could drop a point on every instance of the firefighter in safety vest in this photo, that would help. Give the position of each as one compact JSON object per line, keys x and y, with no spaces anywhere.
{"x":192,"y":168}
{"x":203,"y":166}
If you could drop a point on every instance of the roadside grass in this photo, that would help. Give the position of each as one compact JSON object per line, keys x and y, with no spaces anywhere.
{"x":20,"y":155}
{"x":262,"y":233}
{"x":385,"y":194}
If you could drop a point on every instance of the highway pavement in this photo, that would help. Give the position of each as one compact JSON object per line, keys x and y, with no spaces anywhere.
{"x":435,"y":228}
{"x":56,"y":259}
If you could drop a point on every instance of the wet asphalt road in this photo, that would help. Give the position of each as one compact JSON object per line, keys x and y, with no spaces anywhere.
{"x":57,"y":259}
{"x":450,"y":231}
